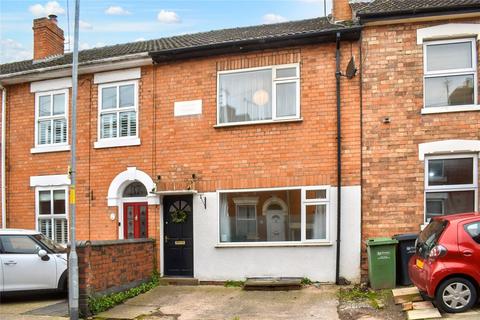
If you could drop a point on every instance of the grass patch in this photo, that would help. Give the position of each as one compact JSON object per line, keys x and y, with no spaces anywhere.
{"x":234,"y":284}
{"x":100,"y":304}
{"x":306,"y":281}
{"x":362,"y":293}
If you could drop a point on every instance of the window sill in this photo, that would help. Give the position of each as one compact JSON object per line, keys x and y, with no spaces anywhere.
{"x":430,"y":110}
{"x":51,"y":148}
{"x":116,"y":142}
{"x":251,"y":123}
{"x":273,"y":244}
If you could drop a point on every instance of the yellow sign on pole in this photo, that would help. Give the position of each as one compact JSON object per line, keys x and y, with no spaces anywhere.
{"x":72,"y":194}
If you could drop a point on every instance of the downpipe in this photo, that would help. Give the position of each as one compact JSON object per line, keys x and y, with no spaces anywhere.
{"x":338,"y":74}
{"x":3,"y":161}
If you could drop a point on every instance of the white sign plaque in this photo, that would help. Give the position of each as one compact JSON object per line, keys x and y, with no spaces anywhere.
{"x":187,"y":108}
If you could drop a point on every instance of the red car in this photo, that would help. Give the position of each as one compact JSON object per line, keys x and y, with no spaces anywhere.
{"x":446,"y":264}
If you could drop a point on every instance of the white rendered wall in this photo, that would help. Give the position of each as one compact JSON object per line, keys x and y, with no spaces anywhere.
{"x":314,"y":262}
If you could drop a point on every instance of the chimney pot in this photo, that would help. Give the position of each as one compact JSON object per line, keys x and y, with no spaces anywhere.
{"x":53,"y":18}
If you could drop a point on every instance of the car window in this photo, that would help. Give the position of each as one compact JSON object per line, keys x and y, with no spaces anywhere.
{"x":19,"y":245}
{"x":50,"y":244}
{"x":473,"y":229}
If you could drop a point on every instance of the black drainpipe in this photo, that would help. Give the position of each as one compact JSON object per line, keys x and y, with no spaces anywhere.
{"x":338,"y":74}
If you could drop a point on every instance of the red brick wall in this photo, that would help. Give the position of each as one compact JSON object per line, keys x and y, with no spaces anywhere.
{"x":392,"y":174}
{"x":48,"y":39}
{"x":106,"y":267}
{"x":267,"y":155}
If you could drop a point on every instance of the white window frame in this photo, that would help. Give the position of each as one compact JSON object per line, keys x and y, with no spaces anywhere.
{"x":118,"y":141}
{"x":275,"y":82}
{"x":450,"y":188}
{"x":51,"y":147}
{"x":52,"y":216}
{"x":451,"y":72}
{"x":303,"y":204}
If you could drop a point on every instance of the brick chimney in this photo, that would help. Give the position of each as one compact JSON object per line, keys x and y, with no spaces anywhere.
{"x":341,"y":10}
{"x":48,"y":39}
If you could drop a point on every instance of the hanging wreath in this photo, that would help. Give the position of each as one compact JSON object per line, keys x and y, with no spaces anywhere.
{"x":178,"y":216}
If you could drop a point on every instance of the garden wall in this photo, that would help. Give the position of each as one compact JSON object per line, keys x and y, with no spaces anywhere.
{"x":111,"y":266}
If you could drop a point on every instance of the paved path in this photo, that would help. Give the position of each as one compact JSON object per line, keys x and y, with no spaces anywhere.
{"x":34,"y":306}
{"x":217,"y":302}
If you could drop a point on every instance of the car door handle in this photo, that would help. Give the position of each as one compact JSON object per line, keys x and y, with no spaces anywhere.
{"x":9,"y":263}
{"x":467,"y":253}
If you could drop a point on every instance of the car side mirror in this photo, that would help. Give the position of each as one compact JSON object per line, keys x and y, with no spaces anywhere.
{"x":43,"y":255}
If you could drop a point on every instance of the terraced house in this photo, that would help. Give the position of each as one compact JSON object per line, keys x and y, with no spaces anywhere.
{"x":220,"y":145}
{"x":232,"y":148}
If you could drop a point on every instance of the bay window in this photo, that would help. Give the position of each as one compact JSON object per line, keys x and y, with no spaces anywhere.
{"x":450,"y":73}
{"x":52,"y":214}
{"x":51,"y":121}
{"x":274,"y":215}
{"x":450,"y":185}
{"x":258,"y":94}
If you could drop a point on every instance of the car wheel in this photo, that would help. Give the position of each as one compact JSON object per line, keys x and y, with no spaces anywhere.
{"x":456,"y":295}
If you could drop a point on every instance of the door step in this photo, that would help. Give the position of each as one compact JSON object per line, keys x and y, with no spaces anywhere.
{"x":269,"y":283}
{"x":179,"y":281}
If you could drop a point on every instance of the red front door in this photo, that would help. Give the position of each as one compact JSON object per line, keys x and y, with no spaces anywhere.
{"x":135,"y":220}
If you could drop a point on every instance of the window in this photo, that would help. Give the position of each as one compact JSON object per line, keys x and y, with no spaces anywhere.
{"x":275,"y":215}
{"x":118,"y":110}
{"x":260,"y":94}
{"x":51,"y":118}
{"x":450,"y":73}
{"x":19,"y":245}
{"x":135,"y":189}
{"x":473,"y":229}
{"x":52,"y":215}
{"x":450,"y":185}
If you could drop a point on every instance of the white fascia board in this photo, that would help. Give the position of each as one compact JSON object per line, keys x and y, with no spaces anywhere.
{"x":117,"y":75}
{"x":51,"y":180}
{"x":49,"y":85}
{"x":449,"y":30}
{"x":447,"y":146}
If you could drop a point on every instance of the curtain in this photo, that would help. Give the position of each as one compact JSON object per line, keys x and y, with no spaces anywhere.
{"x":245,"y":96}
{"x":319,"y":222}
{"x":225,"y":226}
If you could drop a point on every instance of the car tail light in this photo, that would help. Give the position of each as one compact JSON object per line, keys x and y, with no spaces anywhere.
{"x":437,"y":252}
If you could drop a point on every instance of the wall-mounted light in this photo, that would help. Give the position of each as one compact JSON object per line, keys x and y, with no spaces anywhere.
{"x":204,"y":200}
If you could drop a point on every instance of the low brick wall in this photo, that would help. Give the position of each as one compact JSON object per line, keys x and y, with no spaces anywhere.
{"x":110,"y":266}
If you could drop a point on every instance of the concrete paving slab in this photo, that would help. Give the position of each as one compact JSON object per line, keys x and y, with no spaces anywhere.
{"x":217,"y":302}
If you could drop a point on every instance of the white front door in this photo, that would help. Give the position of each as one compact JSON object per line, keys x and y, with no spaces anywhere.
{"x":22,"y":268}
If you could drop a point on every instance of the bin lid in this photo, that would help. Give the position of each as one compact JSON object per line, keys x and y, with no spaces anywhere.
{"x":380,"y":241}
{"x":405,"y":236}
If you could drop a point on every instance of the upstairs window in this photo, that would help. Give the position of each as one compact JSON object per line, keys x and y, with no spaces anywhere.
{"x":450,"y":73}
{"x":118,"y":110}
{"x":259,"y":94}
{"x":51,"y":118}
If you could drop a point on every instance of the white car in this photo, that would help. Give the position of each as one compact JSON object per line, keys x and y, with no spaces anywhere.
{"x":31,"y":261}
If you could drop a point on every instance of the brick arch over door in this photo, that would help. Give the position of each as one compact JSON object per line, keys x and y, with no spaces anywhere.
{"x":126,"y":177}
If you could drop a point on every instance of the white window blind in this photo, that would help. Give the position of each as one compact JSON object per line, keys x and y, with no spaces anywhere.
{"x":118,"y":110}
{"x":51,"y":118}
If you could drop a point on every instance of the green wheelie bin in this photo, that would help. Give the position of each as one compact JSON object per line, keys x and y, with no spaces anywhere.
{"x":381,"y":262}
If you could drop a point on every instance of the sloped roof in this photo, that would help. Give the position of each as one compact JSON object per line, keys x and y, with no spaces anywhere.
{"x":254,"y":34}
{"x":385,"y":8}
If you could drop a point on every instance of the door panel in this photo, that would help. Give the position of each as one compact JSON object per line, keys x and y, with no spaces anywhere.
{"x":23,"y":269}
{"x":178,"y":235}
{"x":135,"y":220}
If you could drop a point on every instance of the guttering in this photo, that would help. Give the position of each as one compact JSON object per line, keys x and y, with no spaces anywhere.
{"x":416,"y":13}
{"x":126,"y":61}
{"x":350,"y":33}
{"x":3,"y":162}
{"x":338,"y":75}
